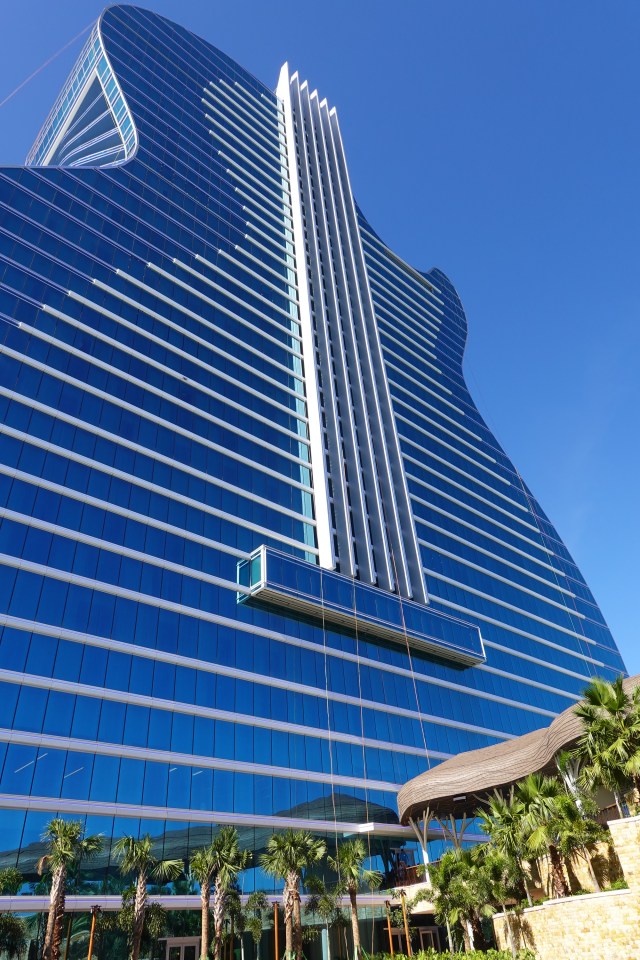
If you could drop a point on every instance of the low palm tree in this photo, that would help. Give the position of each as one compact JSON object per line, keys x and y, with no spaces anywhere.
{"x":10,"y":881}
{"x":502,"y":877}
{"x":13,"y":936}
{"x":502,"y":819}
{"x":256,"y":907}
{"x":609,"y":747}
{"x":577,"y":833}
{"x":136,"y":856}
{"x":288,"y":855}
{"x":219,"y":865}
{"x":461,"y":895}
{"x":544,"y":801}
{"x":348,"y":863}
{"x":67,"y":847}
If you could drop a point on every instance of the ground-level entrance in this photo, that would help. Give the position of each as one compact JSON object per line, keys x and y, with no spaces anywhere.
{"x":182,"y":948}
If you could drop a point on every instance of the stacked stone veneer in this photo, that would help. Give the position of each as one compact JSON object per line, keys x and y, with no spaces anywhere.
{"x":595,"y":926}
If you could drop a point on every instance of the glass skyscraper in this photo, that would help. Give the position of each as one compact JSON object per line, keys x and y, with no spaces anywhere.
{"x":262,"y":561}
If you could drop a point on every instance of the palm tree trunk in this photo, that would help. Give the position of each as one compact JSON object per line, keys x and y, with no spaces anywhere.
{"x":291,"y":886}
{"x":218,"y":918}
{"x":449,"y":937}
{"x":479,"y":939}
{"x":467,"y":935}
{"x":139,"y":907}
{"x":53,"y":933}
{"x":205,"y":899}
{"x":509,"y":931}
{"x":592,"y":873}
{"x":357,"y":952}
{"x":617,"y":797}
{"x":524,"y":882}
{"x":297,"y":926}
{"x":559,"y":883}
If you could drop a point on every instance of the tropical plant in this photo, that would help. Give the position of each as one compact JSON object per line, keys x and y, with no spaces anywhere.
{"x":67,"y":847}
{"x":502,"y":879}
{"x":503,"y":821}
{"x":10,"y":881}
{"x":577,"y":833}
{"x":609,"y":747}
{"x":461,"y":894}
{"x":136,"y":856}
{"x":348,"y":863}
{"x":287,"y":856}
{"x":13,"y":936}
{"x":256,"y":908}
{"x":545,"y":801}
{"x":218,"y":864}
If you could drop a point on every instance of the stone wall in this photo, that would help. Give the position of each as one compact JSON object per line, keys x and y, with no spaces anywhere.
{"x":595,"y":926}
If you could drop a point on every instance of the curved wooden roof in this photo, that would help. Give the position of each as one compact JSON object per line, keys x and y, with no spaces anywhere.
{"x":459,"y":785}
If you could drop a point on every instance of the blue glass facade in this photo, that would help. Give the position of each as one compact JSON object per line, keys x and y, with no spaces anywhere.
{"x":184,"y":281}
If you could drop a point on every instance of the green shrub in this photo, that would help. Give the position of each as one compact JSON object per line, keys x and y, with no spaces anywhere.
{"x":620,"y":884}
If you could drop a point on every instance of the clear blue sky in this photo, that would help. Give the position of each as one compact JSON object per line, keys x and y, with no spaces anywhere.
{"x":500,"y":141}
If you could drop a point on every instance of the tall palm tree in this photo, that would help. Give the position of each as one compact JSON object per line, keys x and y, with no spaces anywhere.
{"x":609,"y":747}
{"x":288,"y":854}
{"x":219,"y":863}
{"x":348,"y":863}
{"x":544,"y":802}
{"x":136,"y":856}
{"x":503,"y":821}
{"x":67,"y":846}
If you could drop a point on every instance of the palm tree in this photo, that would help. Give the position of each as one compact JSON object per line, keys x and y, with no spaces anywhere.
{"x":288,"y":854}
{"x":219,"y":863}
{"x":609,"y":748}
{"x":461,"y":895}
{"x":13,"y":936}
{"x":577,"y":833}
{"x":67,"y":846}
{"x":256,"y":907}
{"x":348,"y":863}
{"x":544,"y":802}
{"x":10,"y":881}
{"x":502,"y":877}
{"x":503,"y":822}
{"x":136,"y":856}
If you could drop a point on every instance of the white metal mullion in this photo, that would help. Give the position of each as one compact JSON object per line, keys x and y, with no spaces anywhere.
{"x":212,"y":303}
{"x":380,"y":490}
{"x":449,"y":433}
{"x":110,"y":507}
{"x":128,"y":478}
{"x":432,"y":288}
{"x":238,"y":108}
{"x":290,"y":283}
{"x":192,"y":358}
{"x":320,"y":313}
{"x":226,"y":135}
{"x":254,"y":293}
{"x":349,"y":374}
{"x":245,"y":176}
{"x":156,"y":391}
{"x":277,"y":182}
{"x":252,"y":132}
{"x":152,"y":417}
{"x":423,"y":416}
{"x":318,"y":461}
